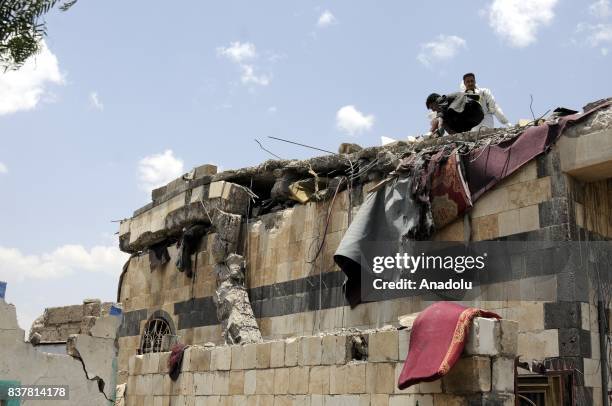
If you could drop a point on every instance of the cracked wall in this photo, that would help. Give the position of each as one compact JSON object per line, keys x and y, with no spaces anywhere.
{"x":89,"y":373}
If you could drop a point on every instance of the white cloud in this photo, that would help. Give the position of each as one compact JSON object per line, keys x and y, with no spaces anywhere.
{"x":601,"y":9}
{"x":596,"y":35}
{"x":95,"y":101}
{"x":352,"y":121}
{"x":444,"y":48}
{"x":238,"y":52}
{"x":23,"y":89}
{"x":63,"y":261}
{"x":249,"y":77}
{"x":3,"y":168}
{"x":272,"y":109}
{"x":158,"y":169}
{"x":518,"y":21}
{"x":326,"y":19}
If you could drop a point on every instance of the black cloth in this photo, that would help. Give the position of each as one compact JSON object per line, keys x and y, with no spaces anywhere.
{"x":385,"y":219}
{"x":187,"y":246}
{"x":460,"y":112}
{"x":158,"y":255}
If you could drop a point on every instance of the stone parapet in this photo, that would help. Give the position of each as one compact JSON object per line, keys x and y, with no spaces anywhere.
{"x":323,"y":369}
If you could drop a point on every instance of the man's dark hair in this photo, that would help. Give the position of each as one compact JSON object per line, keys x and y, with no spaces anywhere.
{"x":431,"y":99}
{"x":469,"y":74}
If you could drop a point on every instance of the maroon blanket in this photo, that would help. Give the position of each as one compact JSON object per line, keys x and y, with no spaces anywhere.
{"x":436,"y":341}
{"x":486,"y":166}
{"x":175,"y":360}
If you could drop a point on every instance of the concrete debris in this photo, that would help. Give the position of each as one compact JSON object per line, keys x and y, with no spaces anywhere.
{"x":23,"y":363}
{"x":57,"y":323}
{"x":407,"y":320}
{"x":348,"y":148}
{"x":225,"y":240}
{"x":305,"y":190}
{"x":359,"y":347}
{"x":120,"y":395}
{"x":229,"y":197}
{"x":234,"y":310}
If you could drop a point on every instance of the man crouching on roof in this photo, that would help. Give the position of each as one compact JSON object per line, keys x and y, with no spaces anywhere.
{"x":486,"y":100}
{"x":455,"y":112}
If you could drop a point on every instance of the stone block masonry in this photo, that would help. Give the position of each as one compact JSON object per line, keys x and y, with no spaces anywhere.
{"x":320,"y":370}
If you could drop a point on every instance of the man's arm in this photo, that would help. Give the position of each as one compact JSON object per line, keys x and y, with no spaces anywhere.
{"x":493,"y":107}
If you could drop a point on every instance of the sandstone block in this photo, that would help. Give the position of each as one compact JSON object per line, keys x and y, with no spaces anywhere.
{"x":281,"y":381}
{"x":411,"y":400}
{"x":310,"y":351}
{"x":291,"y":352}
{"x":469,"y":375}
{"x":277,"y":354}
{"x":200,"y":359}
{"x":236,"y":382}
{"x":204,"y":170}
{"x":158,"y":384}
{"x":337,"y":379}
{"x":483,"y":338}
{"x":383,"y":346}
{"x":298,"y":380}
{"x":221,"y":358}
{"x":249,"y":356}
{"x":229,"y":197}
{"x":221,"y":383}
{"x":355,"y":377}
{"x":341,"y":400}
{"x":379,"y":400}
{"x":263,"y":355}
{"x":403,"y":343}
{"x":265,"y":381}
{"x":380,"y":377}
{"x":538,"y":344}
{"x":449,"y":400}
{"x":250,"y":382}
{"x":151,"y":363}
{"x":186,"y":383}
{"x":203,"y":382}
{"x":503,"y":375}
{"x":508,"y":337}
{"x":319,"y":380}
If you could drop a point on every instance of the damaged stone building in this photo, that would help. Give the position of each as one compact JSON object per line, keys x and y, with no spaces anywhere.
{"x":257,"y":272}
{"x":236,"y":263}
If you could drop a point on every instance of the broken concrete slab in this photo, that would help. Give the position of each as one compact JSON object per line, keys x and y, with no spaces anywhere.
{"x":23,"y":363}
{"x":229,"y":197}
{"x":99,"y":359}
{"x":106,"y":327}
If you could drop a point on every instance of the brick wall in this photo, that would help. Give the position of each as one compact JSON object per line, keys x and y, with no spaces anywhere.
{"x":319,"y":370}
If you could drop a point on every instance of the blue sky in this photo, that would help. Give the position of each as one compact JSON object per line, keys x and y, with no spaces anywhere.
{"x":126,"y":96}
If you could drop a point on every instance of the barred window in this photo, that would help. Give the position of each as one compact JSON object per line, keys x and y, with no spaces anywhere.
{"x":153,"y":335}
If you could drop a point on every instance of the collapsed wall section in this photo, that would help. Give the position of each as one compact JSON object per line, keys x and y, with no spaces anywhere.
{"x":88,"y":373}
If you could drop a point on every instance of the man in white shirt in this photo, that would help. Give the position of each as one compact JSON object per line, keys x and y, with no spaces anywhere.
{"x":487,"y":101}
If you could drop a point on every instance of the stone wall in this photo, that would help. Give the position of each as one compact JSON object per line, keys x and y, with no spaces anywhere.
{"x":320,"y":370}
{"x":89,"y":372}
{"x":56,"y":324}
